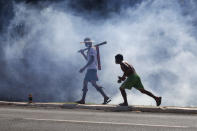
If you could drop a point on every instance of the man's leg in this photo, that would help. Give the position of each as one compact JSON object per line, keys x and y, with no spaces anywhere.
{"x":85,"y":90}
{"x":157,"y":99}
{"x":100,"y":90}
{"x":124,"y":95}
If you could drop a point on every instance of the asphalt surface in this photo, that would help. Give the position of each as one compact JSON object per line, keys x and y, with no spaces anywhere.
{"x":35,"y":119}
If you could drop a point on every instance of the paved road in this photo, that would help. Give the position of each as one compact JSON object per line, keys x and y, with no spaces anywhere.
{"x":33,"y":119}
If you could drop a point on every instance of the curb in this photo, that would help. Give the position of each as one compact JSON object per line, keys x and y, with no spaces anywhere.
{"x":112,"y":108}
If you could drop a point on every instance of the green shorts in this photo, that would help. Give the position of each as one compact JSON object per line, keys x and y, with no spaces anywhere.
{"x":132,"y":81}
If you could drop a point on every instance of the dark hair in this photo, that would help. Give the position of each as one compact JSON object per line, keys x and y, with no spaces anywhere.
{"x":119,"y":57}
{"x":87,"y":39}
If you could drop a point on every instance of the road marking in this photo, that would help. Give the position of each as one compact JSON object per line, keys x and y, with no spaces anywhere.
{"x":107,"y":123}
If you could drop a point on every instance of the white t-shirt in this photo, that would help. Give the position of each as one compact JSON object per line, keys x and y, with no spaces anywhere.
{"x":92,"y":52}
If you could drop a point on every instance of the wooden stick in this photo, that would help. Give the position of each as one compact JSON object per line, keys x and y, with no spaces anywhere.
{"x":103,"y":43}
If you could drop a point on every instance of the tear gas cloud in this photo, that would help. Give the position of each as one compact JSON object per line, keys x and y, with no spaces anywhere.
{"x":39,"y":50}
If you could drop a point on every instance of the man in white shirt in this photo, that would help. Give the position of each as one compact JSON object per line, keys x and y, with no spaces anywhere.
{"x":91,"y":74}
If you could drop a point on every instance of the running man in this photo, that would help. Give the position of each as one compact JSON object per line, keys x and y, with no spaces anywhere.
{"x":132,"y":80}
{"x":91,"y":74}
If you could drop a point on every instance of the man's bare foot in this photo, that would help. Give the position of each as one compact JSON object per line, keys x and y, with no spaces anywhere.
{"x":158,"y":100}
{"x":80,"y":102}
{"x":123,"y":104}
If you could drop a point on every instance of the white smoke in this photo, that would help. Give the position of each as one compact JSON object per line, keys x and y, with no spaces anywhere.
{"x":155,"y":37}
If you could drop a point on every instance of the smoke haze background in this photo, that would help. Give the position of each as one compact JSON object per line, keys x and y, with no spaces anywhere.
{"x":39,"y":43}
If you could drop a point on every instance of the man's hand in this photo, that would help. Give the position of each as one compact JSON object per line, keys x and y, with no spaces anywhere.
{"x":120,"y":79}
{"x":81,"y":70}
{"x":81,"y":51}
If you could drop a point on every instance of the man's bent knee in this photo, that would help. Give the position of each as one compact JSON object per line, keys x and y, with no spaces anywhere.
{"x":85,"y":89}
